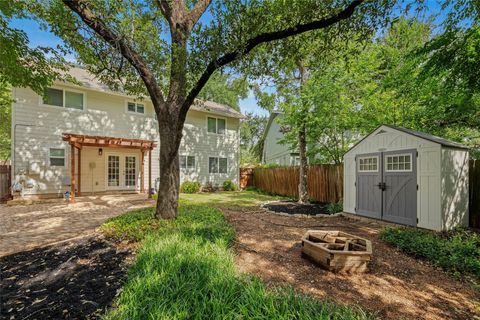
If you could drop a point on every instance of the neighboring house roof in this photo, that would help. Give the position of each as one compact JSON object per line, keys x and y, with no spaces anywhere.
{"x":272,"y":117}
{"x":90,"y":81}
{"x":422,"y":135}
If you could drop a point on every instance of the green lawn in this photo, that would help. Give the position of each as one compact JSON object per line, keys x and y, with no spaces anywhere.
{"x":227,"y":199}
{"x":185,"y":269}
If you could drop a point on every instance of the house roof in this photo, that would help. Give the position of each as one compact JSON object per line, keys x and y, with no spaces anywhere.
{"x":422,"y":135}
{"x":90,"y":81}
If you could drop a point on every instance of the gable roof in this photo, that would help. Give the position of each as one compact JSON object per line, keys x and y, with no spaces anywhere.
{"x":90,"y":81}
{"x":422,"y":135}
{"x":429,"y":137}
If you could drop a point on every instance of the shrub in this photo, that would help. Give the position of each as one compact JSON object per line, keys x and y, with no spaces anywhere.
{"x":228,"y":185}
{"x":190,"y":187}
{"x":457,"y":251}
{"x":334,"y":207}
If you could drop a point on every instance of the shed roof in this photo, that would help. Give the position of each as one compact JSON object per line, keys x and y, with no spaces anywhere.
{"x":90,"y":81}
{"x":422,"y":135}
{"x":430,"y":137}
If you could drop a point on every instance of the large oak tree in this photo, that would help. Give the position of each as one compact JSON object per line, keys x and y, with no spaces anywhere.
{"x":169,"y":49}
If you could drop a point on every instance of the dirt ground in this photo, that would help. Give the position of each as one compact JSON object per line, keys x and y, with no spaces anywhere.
{"x":396,"y":287}
{"x":77,"y":279}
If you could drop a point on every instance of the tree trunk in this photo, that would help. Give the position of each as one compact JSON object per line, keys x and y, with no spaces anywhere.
{"x":302,"y":143}
{"x":302,"y":185}
{"x":168,"y":192}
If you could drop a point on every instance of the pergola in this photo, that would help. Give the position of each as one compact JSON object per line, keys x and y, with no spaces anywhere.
{"x":78,"y":141}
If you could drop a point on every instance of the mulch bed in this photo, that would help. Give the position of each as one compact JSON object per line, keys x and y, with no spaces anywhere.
{"x":73,"y":280}
{"x":291,"y":207}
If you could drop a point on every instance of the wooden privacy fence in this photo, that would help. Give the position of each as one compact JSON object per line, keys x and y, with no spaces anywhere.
{"x":474,"y":184}
{"x":325,"y":182}
{"x":246,"y":177}
{"x":5,"y":183}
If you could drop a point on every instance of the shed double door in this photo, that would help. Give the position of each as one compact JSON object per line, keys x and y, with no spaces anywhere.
{"x":386,"y":184}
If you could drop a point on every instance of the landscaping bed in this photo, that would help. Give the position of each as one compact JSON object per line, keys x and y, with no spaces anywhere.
{"x":397,"y":286}
{"x":291,"y":207}
{"x":73,"y":280}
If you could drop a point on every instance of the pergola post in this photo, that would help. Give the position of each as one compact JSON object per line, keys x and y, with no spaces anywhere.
{"x":79,"y":175}
{"x":72,"y":173}
{"x":150,"y":174}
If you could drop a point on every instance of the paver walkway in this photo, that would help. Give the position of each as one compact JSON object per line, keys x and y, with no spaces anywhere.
{"x":29,"y":226}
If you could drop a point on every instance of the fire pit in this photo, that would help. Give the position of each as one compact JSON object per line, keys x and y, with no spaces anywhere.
{"x":337,"y":251}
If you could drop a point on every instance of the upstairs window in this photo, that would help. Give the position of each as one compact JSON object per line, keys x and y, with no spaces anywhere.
{"x":216,"y":125}
{"x":217,"y":165}
{"x":57,"y":157}
{"x":187,"y":162}
{"x":64,"y":98}
{"x":136,"y":107}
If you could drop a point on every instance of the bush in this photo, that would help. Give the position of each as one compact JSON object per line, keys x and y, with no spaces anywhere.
{"x":457,"y":251}
{"x":334,"y":207}
{"x":185,"y":270}
{"x":190,"y":187}
{"x":228,"y":185}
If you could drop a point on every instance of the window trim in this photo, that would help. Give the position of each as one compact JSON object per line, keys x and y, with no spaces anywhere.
{"x":187,"y":169}
{"x":42,"y":104}
{"x":216,"y":125}
{"x":65,"y":162}
{"x":398,"y":155}
{"x":218,"y":161}
{"x":367,"y":157}
{"x":127,"y":101}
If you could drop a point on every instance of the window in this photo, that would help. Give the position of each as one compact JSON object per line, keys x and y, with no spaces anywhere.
{"x":369,"y":164}
{"x":216,"y":125}
{"x":187,"y":162}
{"x":57,"y":157}
{"x":136,"y":107}
{"x":399,"y":162}
{"x":63,"y":98}
{"x":217,"y":165}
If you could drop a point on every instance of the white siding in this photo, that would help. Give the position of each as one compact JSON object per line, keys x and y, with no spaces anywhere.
{"x":105,"y":114}
{"x":274,"y":151}
{"x":454,"y":188}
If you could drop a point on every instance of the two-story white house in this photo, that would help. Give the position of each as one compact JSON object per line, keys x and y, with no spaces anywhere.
{"x":103,"y":141}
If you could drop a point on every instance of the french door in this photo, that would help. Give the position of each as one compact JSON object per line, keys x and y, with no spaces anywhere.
{"x":122,"y":172}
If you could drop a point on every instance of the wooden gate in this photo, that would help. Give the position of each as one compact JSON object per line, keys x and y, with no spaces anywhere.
{"x":5,"y":183}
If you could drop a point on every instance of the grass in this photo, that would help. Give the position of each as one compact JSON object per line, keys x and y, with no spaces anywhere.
{"x":457,"y":251}
{"x":185,"y":270}
{"x":228,"y":199}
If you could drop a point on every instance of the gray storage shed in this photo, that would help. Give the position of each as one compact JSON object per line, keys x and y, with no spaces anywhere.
{"x":407,"y":177}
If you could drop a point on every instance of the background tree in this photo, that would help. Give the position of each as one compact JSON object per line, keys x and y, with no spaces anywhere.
{"x":252,"y":130}
{"x":225,"y":89}
{"x":165,"y":49}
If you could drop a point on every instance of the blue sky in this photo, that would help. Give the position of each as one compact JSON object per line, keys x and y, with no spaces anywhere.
{"x":39,"y":37}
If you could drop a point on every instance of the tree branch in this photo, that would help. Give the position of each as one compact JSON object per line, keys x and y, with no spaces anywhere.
{"x":81,"y":8}
{"x":197,"y":12}
{"x":264,"y":38}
